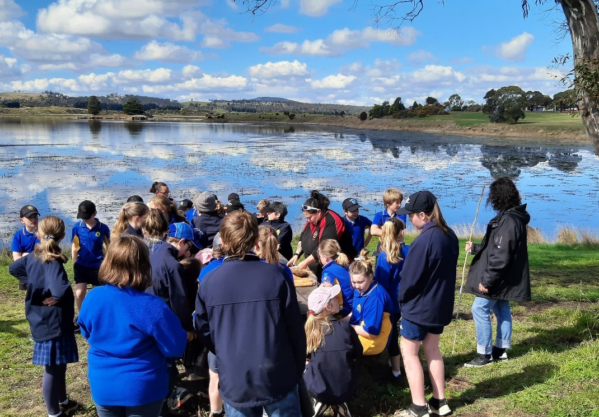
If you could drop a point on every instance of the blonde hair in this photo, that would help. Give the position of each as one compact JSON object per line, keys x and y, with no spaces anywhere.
{"x":238,"y":231}
{"x":128,"y":212}
{"x":220,"y":208}
{"x":50,"y":231}
{"x":268,"y":244}
{"x":362,"y":265}
{"x":156,"y":225}
{"x":127,"y":264}
{"x":390,"y":237}
{"x":392,"y":195}
{"x":437,"y":216}
{"x":317,"y":327}
{"x":330,"y":248}
{"x":262,"y":203}
{"x":161,"y":201}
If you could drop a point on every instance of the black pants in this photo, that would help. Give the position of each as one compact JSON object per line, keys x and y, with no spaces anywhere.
{"x":393,"y":347}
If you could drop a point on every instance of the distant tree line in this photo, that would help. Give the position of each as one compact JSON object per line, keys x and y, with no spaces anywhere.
{"x":261,"y":106}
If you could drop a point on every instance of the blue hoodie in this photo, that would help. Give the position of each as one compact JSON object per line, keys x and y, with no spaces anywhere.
{"x":340,"y":276}
{"x":388,"y":275}
{"x":427,"y":290}
{"x":248,"y":315}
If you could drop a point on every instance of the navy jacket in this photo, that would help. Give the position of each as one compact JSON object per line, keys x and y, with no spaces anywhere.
{"x":45,"y":280}
{"x":168,"y":283}
{"x":247,"y":314}
{"x":333,"y":372}
{"x":426,"y":293}
{"x":209,"y":223}
{"x":284,"y":235}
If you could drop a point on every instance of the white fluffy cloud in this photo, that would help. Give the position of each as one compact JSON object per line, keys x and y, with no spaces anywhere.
{"x":338,"y":81}
{"x":316,"y":7}
{"x":279,"y":69}
{"x":281,"y":28}
{"x":167,"y":51}
{"x":9,"y":10}
{"x":437,"y":73}
{"x":343,"y":40}
{"x":515,"y":49}
{"x":9,"y":68}
{"x":422,"y":57}
{"x":219,"y":35}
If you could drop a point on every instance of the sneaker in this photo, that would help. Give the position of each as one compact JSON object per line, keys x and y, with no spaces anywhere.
{"x":77,"y":329}
{"x":398,"y":381}
{"x":69,"y":407}
{"x":479,"y":361}
{"x":178,"y":397}
{"x":439,"y":407}
{"x":499,"y":354}
{"x":410,"y":413}
{"x":320,"y":408}
{"x":341,"y":410}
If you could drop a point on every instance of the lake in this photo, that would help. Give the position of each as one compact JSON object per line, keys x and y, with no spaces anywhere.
{"x":55,"y":164}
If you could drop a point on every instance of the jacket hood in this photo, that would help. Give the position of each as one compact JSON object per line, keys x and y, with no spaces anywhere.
{"x":520,"y":211}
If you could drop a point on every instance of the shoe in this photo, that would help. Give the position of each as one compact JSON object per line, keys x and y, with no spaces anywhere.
{"x":69,"y":407}
{"x":178,"y":397}
{"x":341,"y":410}
{"x":439,"y":407}
{"x":398,"y":381}
{"x":76,"y":329}
{"x":410,"y":413}
{"x":499,"y":354}
{"x":319,"y":408}
{"x":479,"y":361}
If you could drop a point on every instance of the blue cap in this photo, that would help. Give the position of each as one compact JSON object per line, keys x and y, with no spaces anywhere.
{"x":183,"y":231}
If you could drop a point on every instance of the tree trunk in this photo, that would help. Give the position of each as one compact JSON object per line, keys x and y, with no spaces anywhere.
{"x":584,"y":29}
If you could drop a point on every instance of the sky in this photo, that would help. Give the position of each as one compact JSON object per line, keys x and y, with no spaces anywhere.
{"x":328,"y":51}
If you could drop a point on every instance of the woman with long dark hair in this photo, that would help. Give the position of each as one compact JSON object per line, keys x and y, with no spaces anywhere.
{"x":499,"y":272}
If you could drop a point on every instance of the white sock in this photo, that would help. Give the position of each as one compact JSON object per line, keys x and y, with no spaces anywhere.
{"x":220,"y":411}
{"x":65,"y":402}
{"x":396,"y":373}
{"x":390,"y":364}
{"x":54,"y":415}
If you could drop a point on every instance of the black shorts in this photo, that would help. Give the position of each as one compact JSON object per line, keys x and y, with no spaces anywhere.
{"x":86,"y":274}
{"x":212,"y":363}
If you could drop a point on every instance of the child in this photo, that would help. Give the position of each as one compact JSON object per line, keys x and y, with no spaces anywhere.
{"x":186,"y":207}
{"x":24,"y":240}
{"x":208,"y":220}
{"x":90,"y":239}
{"x":218,"y":257}
{"x":357,"y":224}
{"x":335,"y":271}
{"x":372,"y":307}
{"x":275,"y":214}
{"x":267,"y":249}
{"x":388,"y":266}
{"x":135,"y":199}
{"x":131,"y":220}
{"x":50,"y":312}
{"x":261,"y":215}
{"x":392,"y":199}
{"x":333,"y":350}
{"x":168,"y":207}
{"x":155,"y":229}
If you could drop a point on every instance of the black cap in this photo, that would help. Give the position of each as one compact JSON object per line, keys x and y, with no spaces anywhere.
{"x":234,"y":205}
{"x":233,"y":197}
{"x":185,"y":205}
{"x":421,"y":201}
{"x":350,"y":204}
{"x":276,"y":207}
{"x":135,"y":199}
{"x":28,"y":211}
{"x":86,"y":210}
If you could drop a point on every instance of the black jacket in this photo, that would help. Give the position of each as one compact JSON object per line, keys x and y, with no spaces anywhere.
{"x":209,"y":223}
{"x":46,"y":279}
{"x":501,"y":259}
{"x":333,"y":372}
{"x":284,"y":236}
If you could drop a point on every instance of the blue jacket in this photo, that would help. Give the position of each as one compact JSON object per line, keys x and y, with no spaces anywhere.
{"x":387,"y":274}
{"x":248,"y":315}
{"x":209,"y":223}
{"x":427,"y":290}
{"x":168,"y":283}
{"x":341,"y":277}
{"x":46,"y":279}
{"x":131,"y":334}
{"x":284,"y":236}
{"x":210,"y":266}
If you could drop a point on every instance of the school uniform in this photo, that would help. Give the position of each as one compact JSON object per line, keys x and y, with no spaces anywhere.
{"x":209,"y":223}
{"x":357,"y":229}
{"x":372,"y":310}
{"x":23,"y":241}
{"x":131,"y":231}
{"x":51,"y":327}
{"x":388,"y":275}
{"x":131,"y":334}
{"x":382,"y":216}
{"x":333,"y":371}
{"x":190,"y":214}
{"x":209,"y":267}
{"x":90,"y":246}
{"x":284,"y":236}
{"x":333,"y":273}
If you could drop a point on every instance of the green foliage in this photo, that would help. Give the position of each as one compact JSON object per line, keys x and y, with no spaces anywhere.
{"x":379,"y":111}
{"x":565,"y":99}
{"x":363,"y":116}
{"x":94,"y":106}
{"x":431,"y":100}
{"x":13,"y":104}
{"x":397,"y":106}
{"x":455,"y":103}
{"x":291,"y":116}
{"x":536,"y":99}
{"x":505,"y":105}
{"x":133,"y":106}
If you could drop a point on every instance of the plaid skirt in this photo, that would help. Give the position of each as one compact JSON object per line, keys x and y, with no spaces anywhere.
{"x":58,"y":351}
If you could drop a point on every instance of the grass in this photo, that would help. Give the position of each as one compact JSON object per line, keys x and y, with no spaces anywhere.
{"x":542,"y":120}
{"x":553,"y":368}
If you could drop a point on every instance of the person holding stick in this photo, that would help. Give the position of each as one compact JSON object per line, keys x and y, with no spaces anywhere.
{"x":499,"y":272}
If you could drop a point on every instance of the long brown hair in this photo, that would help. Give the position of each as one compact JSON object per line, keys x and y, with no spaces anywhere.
{"x":156,"y":225}
{"x":268,"y":244}
{"x":437,"y":216}
{"x":330,"y":248}
{"x":127,"y":213}
{"x":317,"y":327}
{"x":390,"y":239}
{"x":50,"y":231}
{"x":127,"y":264}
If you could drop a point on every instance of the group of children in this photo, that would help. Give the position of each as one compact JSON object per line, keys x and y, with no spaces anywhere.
{"x":355,"y":310}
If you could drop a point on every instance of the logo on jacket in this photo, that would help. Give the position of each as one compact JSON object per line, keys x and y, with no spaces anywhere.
{"x":278,"y":232}
{"x":98,"y":234}
{"x":315,"y":235}
{"x":359,"y":308}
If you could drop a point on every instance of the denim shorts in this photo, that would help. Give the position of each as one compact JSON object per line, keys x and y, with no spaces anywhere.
{"x":417,"y":332}
{"x":86,"y":274}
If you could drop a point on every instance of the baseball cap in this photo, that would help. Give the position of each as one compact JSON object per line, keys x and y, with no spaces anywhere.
{"x":320,"y":297}
{"x":205,"y":202}
{"x":350,"y":204}
{"x":185,"y":205}
{"x":233,"y":197}
{"x":421,"y":201}
{"x":183,"y":231}
{"x":276,"y":207}
{"x":86,"y":210}
{"x":234,"y":205}
{"x":28,"y":211}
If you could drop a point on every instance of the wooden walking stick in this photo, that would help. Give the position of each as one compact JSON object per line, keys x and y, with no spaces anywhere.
{"x":457,"y":313}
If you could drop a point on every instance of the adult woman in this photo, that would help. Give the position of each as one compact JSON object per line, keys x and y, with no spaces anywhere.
{"x":128,"y":347}
{"x":426,"y":298}
{"x":499,"y":272}
{"x":322,"y":224}
{"x":160,"y":188}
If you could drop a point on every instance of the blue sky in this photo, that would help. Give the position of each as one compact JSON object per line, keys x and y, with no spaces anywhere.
{"x":307,"y":50}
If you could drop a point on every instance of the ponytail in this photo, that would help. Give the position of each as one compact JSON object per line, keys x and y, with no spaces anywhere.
{"x":51,"y":231}
{"x":156,"y":225}
{"x":156,"y":186}
{"x":362,"y":265}
{"x":330,"y":248}
{"x":317,"y":327}
{"x":268,"y":245}
{"x":437,"y":216}
{"x":127,"y":213}
{"x":390,"y":237}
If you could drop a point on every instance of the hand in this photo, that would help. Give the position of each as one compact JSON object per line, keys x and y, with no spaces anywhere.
{"x":50,"y":301}
{"x":191,"y":336}
{"x":292,"y":261}
{"x":469,"y":246}
{"x":303,"y":265}
{"x":482,"y":289}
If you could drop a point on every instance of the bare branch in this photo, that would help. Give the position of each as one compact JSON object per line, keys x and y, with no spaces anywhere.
{"x":256,"y":6}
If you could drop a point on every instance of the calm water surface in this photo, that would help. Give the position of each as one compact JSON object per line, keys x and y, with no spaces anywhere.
{"x":55,"y":164}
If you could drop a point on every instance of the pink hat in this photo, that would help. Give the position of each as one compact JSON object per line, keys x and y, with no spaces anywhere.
{"x":320,"y":297}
